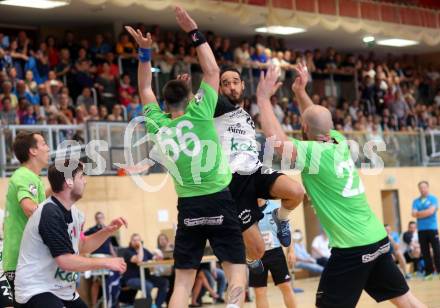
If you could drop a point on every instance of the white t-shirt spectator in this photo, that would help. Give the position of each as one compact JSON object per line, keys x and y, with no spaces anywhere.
{"x":320,"y":247}
{"x":50,"y":232}
{"x":279,"y":113}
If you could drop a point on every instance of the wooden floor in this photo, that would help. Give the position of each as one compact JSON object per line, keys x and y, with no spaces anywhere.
{"x":427,"y":291}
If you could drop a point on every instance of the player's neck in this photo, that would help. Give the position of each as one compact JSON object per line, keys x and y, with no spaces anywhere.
{"x":176,"y":114}
{"x":64,"y":198}
{"x":33,"y":166}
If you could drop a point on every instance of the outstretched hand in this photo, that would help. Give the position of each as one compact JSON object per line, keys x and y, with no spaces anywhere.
{"x":184,"y":20}
{"x":301,"y":79}
{"x":116,"y":224}
{"x":141,"y":40}
{"x":268,"y":84}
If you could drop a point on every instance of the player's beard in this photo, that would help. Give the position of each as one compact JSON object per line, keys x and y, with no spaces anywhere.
{"x":236,"y":99}
{"x":75,"y":196}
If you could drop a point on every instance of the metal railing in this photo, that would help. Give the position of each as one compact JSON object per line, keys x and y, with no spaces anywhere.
{"x":403,"y":149}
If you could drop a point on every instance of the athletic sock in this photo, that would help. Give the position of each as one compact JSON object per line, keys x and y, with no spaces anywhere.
{"x":283,"y":213}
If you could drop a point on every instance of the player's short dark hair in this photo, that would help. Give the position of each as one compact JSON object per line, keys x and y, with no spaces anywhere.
{"x":175,"y":92}
{"x":57,"y":178}
{"x":422,"y":182}
{"x":23,"y":142}
{"x":98,"y":213}
{"x":230,"y":69}
{"x":411,"y":222}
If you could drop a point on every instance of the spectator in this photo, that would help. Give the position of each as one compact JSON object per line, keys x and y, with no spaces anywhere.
{"x":85,"y":99}
{"x":201,"y":281}
{"x":110,"y":59}
{"x":107,"y":86}
{"x":7,"y":92}
{"x":279,"y":113}
{"x":425,"y":208}
{"x":125,"y":47}
{"x":53,"y":85}
{"x":134,"y":255}
{"x":286,"y":125}
{"x":64,"y":66}
{"x":21,"y":92}
{"x":84,"y":77}
{"x":242,"y":55}
{"x":52,"y":52}
{"x":65,"y":109}
{"x":320,"y":249}
{"x":116,"y":114}
{"x":126,"y":90}
{"x":8,"y":116}
{"x":106,"y":248}
{"x":134,"y":109}
{"x":81,"y":115}
{"x":395,"y":249}
{"x":103,"y":113}
{"x":65,"y":91}
{"x":99,"y":49}
{"x":93,"y":113}
{"x":70,"y":44}
{"x":411,"y":246}
{"x":31,"y":84}
{"x":48,"y":107}
{"x":303,"y":259}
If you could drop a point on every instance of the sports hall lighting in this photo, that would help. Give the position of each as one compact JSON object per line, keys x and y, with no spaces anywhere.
{"x":396,"y":42}
{"x":368,"y":39}
{"x":36,"y":4}
{"x":280,"y":30}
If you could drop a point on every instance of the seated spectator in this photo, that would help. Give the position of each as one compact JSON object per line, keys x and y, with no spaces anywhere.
{"x":93,"y":113}
{"x":83,"y":76}
{"x":85,"y":99}
{"x":106,"y":248}
{"x":134,"y":255}
{"x":31,"y":84}
{"x":134,"y":109}
{"x":116,"y":114}
{"x":8,"y":115}
{"x":411,"y":246}
{"x":110,"y":59}
{"x":65,"y":108}
{"x":21,"y":92}
{"x":287,"y":127}
{"x":52,"y":83}
{"x":303,"y":259}
{"x":320,"y":249}
{"x":48,"y":107}
{"x":279,"y":113}
{"x":81,"y":115}
{"x":7,"y":92}
{"x":201,"y":281}
{"x":395,"y":249}
{"x":28,"y":117}
{"x":126,"y":90}
{"x":64,"y":66}
{"x":103,"y":113}
{"x":52,"y":52}
{"x":65,"y":91}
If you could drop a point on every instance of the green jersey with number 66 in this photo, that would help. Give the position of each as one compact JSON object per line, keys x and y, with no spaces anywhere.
{"x":188,"y":146}
{"x":336,"y":192}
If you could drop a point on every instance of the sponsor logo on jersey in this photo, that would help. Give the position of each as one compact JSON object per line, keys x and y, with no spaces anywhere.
{"x":369,"y":257}
{"x":33,"y":190}
{"x":236,"y":129}
{"x":287,"y":277}
{"x":66,"y":276}
{"x":199,"y":96}
{"x":204,"y":221}
{"x":242,"y":146}
{"x":245,"y":216}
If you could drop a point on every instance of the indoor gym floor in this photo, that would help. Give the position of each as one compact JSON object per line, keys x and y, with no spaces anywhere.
{"x":427,"y":291}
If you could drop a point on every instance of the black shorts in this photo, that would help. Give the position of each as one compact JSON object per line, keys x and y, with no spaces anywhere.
{"x":275,"y":262}
{"x":5,"y":294}
{"x":52,"y":301}
{"x":210,"y":217}
{"x":351,"y":270}
{"x":246,"y":189}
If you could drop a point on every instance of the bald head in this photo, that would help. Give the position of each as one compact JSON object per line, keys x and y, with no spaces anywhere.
{"x":317,"y":122}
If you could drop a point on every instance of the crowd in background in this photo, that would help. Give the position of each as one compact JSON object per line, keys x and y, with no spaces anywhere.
{"x":73,"y":80}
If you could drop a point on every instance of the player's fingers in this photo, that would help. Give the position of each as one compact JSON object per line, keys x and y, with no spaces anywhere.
{"x":124,"y":221}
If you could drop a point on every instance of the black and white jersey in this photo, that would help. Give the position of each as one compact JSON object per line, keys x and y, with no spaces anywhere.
{"x":236,"y":131}
{"x":51,"y":231}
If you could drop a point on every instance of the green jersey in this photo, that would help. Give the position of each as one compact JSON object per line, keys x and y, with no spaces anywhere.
{"x":188,"y":146}
{"x":23,"y":184}
{"x":336,"y":192}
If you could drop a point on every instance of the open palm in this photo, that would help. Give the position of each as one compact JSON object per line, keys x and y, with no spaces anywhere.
{"x":141,"y":40}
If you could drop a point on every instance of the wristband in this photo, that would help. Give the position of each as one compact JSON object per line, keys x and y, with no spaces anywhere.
{"x":197,"y":38}
{"x":144,"y":54}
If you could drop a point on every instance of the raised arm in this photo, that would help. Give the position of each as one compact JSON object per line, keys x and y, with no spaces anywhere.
{"x":92,"y":242}
{"x":299,"y":87}
{"x":210,"y":69}
{"x":145,"y":76}
{"x":267,"y":86}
